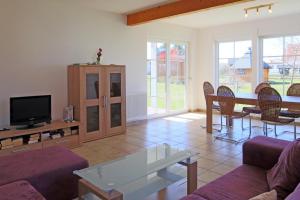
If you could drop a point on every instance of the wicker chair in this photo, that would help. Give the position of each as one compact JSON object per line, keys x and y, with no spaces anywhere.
{"x":226,"y":99}
{"x":269,"y":101}
{"x":294,"y":90}
{"x":209,"y":89}
{"x":255,"y":109}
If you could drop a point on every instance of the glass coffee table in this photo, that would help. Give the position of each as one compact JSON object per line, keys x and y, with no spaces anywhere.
{"x":138,"y":175}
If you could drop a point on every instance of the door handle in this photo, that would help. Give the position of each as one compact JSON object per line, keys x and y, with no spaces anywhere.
{"x":105,"y":101}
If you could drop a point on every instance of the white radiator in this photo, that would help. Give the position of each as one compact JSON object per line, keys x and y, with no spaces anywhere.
{"x":136,"y":107}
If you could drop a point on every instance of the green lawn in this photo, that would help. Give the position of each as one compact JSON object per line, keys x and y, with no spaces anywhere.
{"x":177,"y":92}
{"x":177,"y":95}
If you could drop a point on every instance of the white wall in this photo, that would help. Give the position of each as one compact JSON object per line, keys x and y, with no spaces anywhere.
{"x":39,"y":38}
{"x":207,"y":38}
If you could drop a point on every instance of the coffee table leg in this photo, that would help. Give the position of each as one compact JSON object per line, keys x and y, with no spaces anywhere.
{"x":191,"y":175}
{"x":85,"y":187}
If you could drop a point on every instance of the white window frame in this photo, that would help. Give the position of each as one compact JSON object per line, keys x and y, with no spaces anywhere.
{"x":261,"y":52}
{"x":186,"y":78}
{"x":217,"y":58}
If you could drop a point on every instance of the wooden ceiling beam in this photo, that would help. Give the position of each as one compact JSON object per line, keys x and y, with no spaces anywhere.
{"x":175,"y":8}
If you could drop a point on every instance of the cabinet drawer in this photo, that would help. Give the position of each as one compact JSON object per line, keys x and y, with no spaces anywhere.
{"x":69,"y":142}
{"x":20,"y":149}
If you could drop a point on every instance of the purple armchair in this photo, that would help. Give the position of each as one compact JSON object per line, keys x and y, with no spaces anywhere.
{"x":248,"y":180}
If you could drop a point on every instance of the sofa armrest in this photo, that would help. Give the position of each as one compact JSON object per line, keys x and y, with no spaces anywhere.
{"x":263,"y":151}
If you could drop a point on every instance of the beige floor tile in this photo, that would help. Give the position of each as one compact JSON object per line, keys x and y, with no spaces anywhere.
{"x":222,"y":169}
{"x":206,"y":163}
{"x":208,"y":176}
{"x":215,"y":157}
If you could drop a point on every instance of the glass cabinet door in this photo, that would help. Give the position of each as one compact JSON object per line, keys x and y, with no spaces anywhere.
{"x":92,"y":103}
{"x":115,"y":84}
{"x":92,"y":119}
{"x":116,"y":112}
{"x":92,"y":86}
{"x":116,"y":115}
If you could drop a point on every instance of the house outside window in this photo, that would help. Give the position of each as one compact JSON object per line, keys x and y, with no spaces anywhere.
{"x":282,"y":56}
{"x":235,"y":65}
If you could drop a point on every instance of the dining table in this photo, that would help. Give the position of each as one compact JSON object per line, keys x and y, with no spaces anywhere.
{"x":290,"y":102}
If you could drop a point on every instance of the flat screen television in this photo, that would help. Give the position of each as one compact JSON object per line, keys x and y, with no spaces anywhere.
{"x":30,"y":110}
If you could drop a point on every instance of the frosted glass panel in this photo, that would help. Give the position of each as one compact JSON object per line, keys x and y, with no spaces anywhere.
{"x":115,"y":85}
{"x":92,"y":113}
{"x":92,"y":86}
{"x":116,"y":115}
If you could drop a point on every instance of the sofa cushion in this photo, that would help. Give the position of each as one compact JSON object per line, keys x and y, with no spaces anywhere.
{"x":263,"y":151}
{"x":193,"y":197}
{"x":294,"y":195}
{"x":285,"y":175}
{"x":20,"y":190}
{"x":272,"y":195}
{"x":242,"y":183}
{"x":49,"y":171}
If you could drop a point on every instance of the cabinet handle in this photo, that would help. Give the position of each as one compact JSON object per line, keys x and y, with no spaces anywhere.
{"x":105,"y":101}
{"x":21,"y":149}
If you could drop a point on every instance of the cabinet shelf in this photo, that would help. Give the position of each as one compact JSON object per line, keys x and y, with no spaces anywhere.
{"x":70,"y":141}
{"x":55,"y":125}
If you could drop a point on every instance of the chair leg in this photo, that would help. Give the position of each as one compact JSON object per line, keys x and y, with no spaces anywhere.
{"x":221,"y":124}
{"x":250,"y":131}
{"x":275,"y":130}
{"x":242,"y":123}
{"x":295,"y":131}
{"x":267,"y":129}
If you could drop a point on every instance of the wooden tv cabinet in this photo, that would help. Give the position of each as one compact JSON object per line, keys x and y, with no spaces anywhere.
{"x":70,"y":141}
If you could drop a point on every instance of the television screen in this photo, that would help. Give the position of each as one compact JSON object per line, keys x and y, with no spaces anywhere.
{"x":30,"y":110}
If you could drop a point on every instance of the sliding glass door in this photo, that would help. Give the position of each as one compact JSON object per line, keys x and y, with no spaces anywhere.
{"x":166,"y":77}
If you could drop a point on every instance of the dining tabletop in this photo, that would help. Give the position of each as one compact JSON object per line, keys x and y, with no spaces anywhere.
{"x":291,"y":102}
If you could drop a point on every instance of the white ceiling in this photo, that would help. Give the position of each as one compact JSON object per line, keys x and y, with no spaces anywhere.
{"x":212,"y":17}
{"x":119,"y":6}
{"x":235,"y":13}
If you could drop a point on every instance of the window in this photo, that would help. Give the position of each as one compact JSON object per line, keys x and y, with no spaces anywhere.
{"x":235,"y":65}
{"x":166,"y":77}
{"x":281,"y":62}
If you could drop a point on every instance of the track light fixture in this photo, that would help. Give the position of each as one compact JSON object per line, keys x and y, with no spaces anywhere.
{"x":258,"y":8}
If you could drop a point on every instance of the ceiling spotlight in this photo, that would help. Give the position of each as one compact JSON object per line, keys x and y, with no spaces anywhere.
{"x":270,"y":9}
{"x":259,"y":8}
{"x":246,"y":13}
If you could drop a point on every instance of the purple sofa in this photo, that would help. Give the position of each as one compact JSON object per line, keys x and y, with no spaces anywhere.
{"x":249,"y":180}
{"x":19,"y":190}
{"x":49,"y":171}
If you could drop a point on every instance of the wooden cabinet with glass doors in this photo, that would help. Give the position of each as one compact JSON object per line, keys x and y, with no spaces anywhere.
{"x":98,"y":95}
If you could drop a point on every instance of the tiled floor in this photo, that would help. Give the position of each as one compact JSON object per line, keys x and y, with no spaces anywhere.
{"x":215,"y":157}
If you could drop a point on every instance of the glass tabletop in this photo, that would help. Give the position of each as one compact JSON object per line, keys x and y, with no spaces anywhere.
{"x":154,"y":166}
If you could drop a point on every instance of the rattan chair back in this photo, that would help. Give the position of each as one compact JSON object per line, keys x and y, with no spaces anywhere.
{"x":226,"y":99}
{"x":208,"y":88}
{"x":261,"y":86}
{"x":294,"y":90}
{"x":269,"y":101}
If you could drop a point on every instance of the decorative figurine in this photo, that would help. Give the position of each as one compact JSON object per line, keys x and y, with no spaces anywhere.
{"x":99,"y":54}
